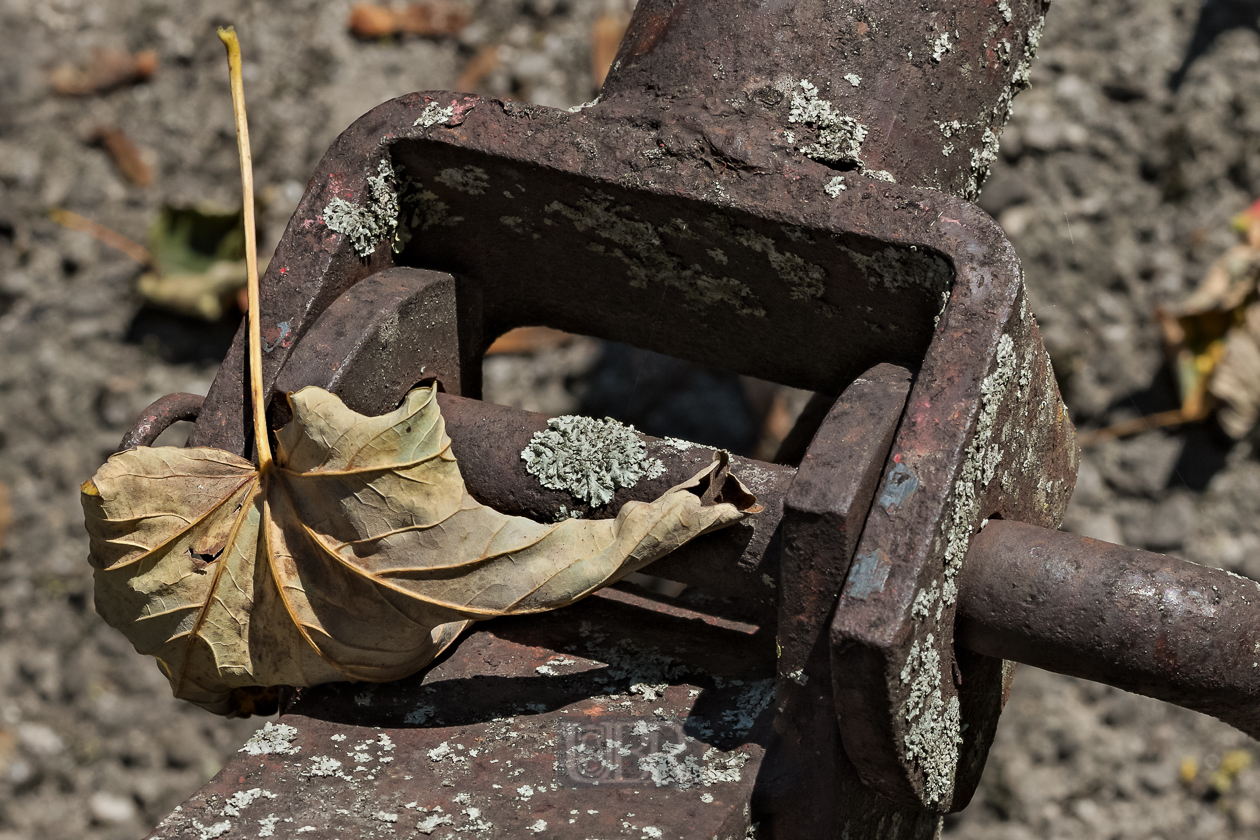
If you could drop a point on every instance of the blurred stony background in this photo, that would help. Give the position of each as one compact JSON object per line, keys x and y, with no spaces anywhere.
{"x":1115,"y":189}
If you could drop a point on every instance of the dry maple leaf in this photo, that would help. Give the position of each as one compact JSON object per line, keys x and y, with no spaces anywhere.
{"x":357,"y":554}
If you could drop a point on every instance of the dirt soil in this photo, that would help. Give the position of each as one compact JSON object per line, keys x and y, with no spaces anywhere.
{"x":1115,"y":190}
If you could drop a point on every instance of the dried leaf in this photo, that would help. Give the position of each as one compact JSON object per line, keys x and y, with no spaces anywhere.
{"x":112,"y":238}
{"x":1236,"y":379}
{"x":106,"y":70}
{"x":124,"y":153}
{"x":1211,"y":343}
{"x":6,"y":513}
{"x":198,"y":261}
{"x":434,"y":18}
{"x":481,"y":65}
{"x":360,"y":554}
{"x":606,"y":37}
{"x":528,"y":340}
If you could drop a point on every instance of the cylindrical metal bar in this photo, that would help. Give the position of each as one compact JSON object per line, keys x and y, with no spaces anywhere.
{"x":159,"y":417}
{"x":740,"y":562}
{"x":857,"y":70}
{"x":1143,"y":622}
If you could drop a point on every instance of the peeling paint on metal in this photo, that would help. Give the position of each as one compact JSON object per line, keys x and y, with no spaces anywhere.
{"x":868,"y":576}
{"x":899,"y":486}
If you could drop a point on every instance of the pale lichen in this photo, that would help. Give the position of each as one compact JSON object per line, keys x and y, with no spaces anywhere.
{"x":755,"y":699}
{"x":469,"y":179}
{"x":640,"y":247}
{"x":898,"y":269}
{"x":805,"y":280}
{"x":984,"y":454}
{"x":579,"y":108}
{"x":925,"y":600}
{"x":435,"y":114}
{"x":368,"y":225}
{"x":1023,"y":72}
{"x":421,"y":209}
{"x":934,"y":729}
{"x":588,"y":458}
{"x":272,"y":739}
{"x":835,"y":186}
{"x":839,"y":137}
{"x":982,"y":159}
{"x":243,"y":799}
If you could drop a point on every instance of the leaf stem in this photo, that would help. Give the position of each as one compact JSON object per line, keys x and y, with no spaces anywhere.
{"x":228,"y":36}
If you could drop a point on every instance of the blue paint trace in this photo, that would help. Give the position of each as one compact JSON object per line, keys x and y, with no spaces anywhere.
{"x":869,"y":574}
{"x":898,"y":488}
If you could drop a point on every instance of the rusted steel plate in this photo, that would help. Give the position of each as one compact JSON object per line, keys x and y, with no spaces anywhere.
{"x":985,"y":434}
{"x":508,"y":736}
{"x":705,"y":219}
{"x":823,"y":515}
{"x":381,"y":338}
{"x":826,"y":506}
{"x":1144,"y":622}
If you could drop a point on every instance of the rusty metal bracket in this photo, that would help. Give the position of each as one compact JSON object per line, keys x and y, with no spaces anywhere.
{"x":729,"y":200}
{"x":825,"y":506}
{"x":770,"y":188}
{"x":985,"y":434}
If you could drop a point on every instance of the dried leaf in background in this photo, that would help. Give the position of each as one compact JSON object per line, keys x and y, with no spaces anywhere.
{"x":1212,"y":341}
{"x":106,"y":70}
{"x":124,"y":153}
{"x":480,"y":66}
{"x":606,"y":37}
{"x":431,"y":19}
{"x":525,"y":340}
{"x":1213,"y":337}
{"x":6,"y":512}
{"x":73,"y":221}
{"x":198,"y":261}
{"x":360,"y":554}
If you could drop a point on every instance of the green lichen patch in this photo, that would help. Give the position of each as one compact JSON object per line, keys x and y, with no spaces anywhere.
{"x":368,"y":225}
{"x":839,"y":137}
{"x":934,"y":730}
{"x":588,"y":458}
{"x":469,"y":179}
{"x":640,"y":246}
{"x":435,"y":114}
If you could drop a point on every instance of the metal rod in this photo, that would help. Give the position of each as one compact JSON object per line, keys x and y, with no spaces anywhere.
{"x":734,"y":563}
{"x":160,"y":416}
{"x":1143,"y":622}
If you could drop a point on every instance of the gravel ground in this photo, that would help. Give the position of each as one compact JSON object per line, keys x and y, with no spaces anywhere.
{"x":1115,"y":190}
